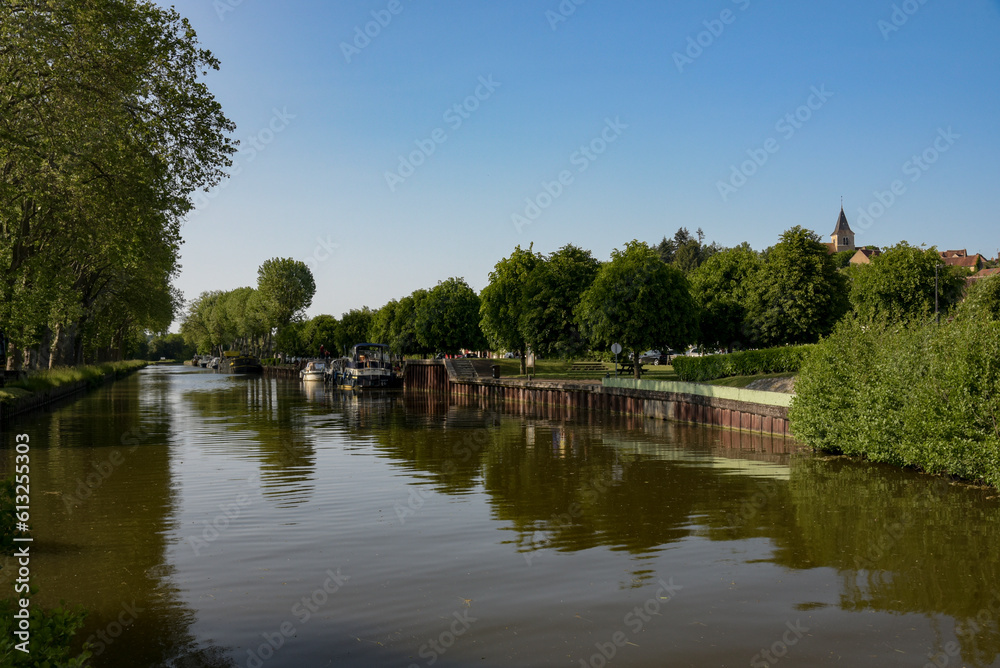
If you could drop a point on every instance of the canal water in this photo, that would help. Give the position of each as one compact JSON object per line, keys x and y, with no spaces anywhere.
{"x":213,"y":520}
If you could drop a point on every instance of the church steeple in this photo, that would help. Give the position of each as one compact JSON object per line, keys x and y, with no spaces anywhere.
{"x":843,"y":235}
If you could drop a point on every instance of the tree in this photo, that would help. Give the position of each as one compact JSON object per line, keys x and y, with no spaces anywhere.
{"x":503,"y":302}
{"x":355,"y":327}
{"x":447,"y":320}
{"x":287,"y":287}
{"x":798,"y":295}
{"x":720,"y":288}
{"x":404,"y":327}
{"x":898,"y":285}
{"x":105,"y":135}
{"x":551,"y":294}
{"x":323,"y":330}
{"x":685,"y":252}
{"x":291,"y":340}
{"x":640,"y":302}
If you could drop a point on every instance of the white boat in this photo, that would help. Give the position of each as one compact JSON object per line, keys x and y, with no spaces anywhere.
{"x":313,"y":371}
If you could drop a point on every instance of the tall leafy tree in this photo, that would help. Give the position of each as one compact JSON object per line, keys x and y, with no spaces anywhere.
{"x":355,"y":327}
{"x":899,"y":284}
{"x":504,"y":303}
{"x":640,"y":302}
{"x":799,"y":294}
{"x":721,"y":289}
{"x":287,"y":286}
{"x":447,"y":319}
{"x":105,"y":134}
{"x":551,"y":294}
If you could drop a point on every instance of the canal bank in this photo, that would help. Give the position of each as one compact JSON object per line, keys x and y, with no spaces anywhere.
{"x":730,"y":408}
{"x":90,"y":377}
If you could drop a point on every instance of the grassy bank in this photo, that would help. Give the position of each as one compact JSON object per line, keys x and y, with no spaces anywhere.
{"x":49,"y":379}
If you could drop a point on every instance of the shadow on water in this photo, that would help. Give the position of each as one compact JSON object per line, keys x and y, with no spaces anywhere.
{"x":553,"y":481}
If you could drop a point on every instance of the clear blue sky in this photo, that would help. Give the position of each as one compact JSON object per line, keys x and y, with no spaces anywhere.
{"x":661,"y":132}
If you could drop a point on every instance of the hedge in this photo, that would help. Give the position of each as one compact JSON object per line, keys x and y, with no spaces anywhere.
{"x":745,"y":363}
{"x":917,"y":395}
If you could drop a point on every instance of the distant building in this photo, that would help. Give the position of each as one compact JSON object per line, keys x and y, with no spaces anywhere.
{"x":960,"y":259}
{"x":842,"y":238}
{"x":984,"y":273}
{"x":865,"y":255}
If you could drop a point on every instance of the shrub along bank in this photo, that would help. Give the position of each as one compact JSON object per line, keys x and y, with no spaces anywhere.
{"x":911,"y":394}
{"x":746,"y":363}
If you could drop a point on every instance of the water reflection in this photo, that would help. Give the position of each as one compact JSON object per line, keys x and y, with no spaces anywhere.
{"x":553,"y":516}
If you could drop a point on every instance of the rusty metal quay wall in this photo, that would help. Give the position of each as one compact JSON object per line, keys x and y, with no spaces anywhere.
{"x":572,"y":396}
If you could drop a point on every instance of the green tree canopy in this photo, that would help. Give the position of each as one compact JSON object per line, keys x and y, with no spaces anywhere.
{"x":898,"y":285}
{"x":105,"y":135}
{"x":685,"y":252}
{"x":355,"y":327}
{"x":287,"y":287}
{"x":551,"y":294}
{"x":640,"y":302}
{"x":447,"y":320}
{"x":503,"y":302}
{"x":721,"y":290}
{"x":799,"y":294}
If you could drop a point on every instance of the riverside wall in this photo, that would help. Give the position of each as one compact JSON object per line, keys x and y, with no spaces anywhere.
{"x":731,"y":408}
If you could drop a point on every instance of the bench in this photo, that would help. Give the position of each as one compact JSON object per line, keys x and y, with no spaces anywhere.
{"x":628,"y":368}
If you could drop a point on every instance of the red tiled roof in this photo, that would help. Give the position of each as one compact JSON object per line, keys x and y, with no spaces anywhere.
{"x":954,"y":253}
{"x":962,"y":261}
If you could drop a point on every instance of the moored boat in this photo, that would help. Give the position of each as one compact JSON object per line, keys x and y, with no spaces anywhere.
{"x":369,"y":366}
{"x":313,"y":371}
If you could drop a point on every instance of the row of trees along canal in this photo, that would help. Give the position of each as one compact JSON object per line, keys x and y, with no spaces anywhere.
{"x":567,"y":304}
{"x":105,"y":135}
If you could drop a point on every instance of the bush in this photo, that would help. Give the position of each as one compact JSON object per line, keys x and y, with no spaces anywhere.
{"x":920,"y":395}
{"x":52,"y":634}
{"x":746,"y":363}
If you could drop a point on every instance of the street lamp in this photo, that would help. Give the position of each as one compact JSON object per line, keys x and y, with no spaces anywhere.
{"x":937,"y":314}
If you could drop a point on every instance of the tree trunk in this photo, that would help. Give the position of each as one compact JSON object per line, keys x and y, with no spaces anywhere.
{"x":636,"y":366}
{"x":55,"y":353}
